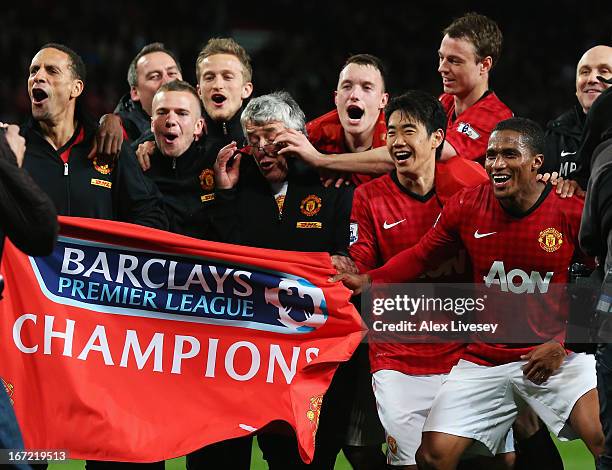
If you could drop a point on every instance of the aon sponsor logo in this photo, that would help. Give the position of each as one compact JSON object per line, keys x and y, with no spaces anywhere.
{"x":517,"y":280}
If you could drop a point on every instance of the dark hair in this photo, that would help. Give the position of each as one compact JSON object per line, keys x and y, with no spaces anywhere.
{"x":132,"y":75}
{"x":77,"y":66}
{"x":216,"y":46}
{"x":180,"y":85}
{"x":481,"y":31}
{"x":531,"y":131}
{"x":368,"y":59}
{"x":421,"y":107}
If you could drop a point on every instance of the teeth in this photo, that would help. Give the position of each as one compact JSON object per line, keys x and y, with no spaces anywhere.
{"x":402,"y":155}
{"x":501,"y":178}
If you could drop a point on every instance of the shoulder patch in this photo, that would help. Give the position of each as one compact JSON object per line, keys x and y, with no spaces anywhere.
{"x":467,"y":129}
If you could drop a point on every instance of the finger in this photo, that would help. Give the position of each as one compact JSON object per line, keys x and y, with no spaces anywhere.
{"x":339,"y":182}
{"x":327,"y":182}
{"x":337,"y":277}
{"x":146,"y":162}
{"x":539,"y":177}
{"x":529,"y":368}
{"x":117,"y":142}
{"x":94,"y":150}
{"x":108,"y":145}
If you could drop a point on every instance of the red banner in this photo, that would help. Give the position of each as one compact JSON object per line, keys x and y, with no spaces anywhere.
{"x":133,"y":344}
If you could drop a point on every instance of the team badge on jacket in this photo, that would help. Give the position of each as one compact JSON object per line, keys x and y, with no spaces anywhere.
{"x":310,"y":205}
{"x":104,"y":169}
{"x":550,"y":239}
{"x":207,"y":179}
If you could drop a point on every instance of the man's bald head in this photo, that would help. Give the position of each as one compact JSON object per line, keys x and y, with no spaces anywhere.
{"x":597,"y":61}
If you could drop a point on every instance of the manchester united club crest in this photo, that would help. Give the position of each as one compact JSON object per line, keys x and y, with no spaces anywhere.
{"x":310,"y":205}
{"x":207,"y":179}
{"x":10,"y":390}
{"x":104,"y":169}
{"x":314,"y":411}
{"x":550,"y":239}
{"x":392,"y":444}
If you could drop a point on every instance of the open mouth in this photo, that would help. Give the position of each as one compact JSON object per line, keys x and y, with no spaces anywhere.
{"x":500,"y":180}
{"x":354,"y":112}
{"x":39,"y":95}
{"x":266,"y":165}
{"x":170,"y":138}
{"x":401,"y":156}
{"x":218,"y":98}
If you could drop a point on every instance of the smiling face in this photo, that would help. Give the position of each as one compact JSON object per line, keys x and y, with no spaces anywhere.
{"x":412,"y":148}
{"x":52,"y":86}
{"x":596,"y":61}
{"x":260,"y":137}
{"x":511,"y":165}
{"x":152,"y":71}
{"x":176,"y":121}
{"x":460,"y":68}
{"x":360,"y":97}
{"x":222,"y":86}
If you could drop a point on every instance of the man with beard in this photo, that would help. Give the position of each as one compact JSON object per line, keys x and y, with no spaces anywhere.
{"x":59,"y":138}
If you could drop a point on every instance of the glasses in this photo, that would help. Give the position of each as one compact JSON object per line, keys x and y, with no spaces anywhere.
{"x":270,"y":149}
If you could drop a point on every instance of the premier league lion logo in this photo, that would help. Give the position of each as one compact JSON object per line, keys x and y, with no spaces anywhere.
{"x":301,"y":305}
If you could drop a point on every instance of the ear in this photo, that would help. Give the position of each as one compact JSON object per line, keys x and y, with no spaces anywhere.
{"x":437,"y":137}
{"x":486,"y":64}
{"x":199,"y":127}
{"x":336,"y":98}
{"x":384,"y":100}
{"x":247,"y":89}
{"x":134,"y":94}
{"x":538,"y":160}
{"x":77,"y":88}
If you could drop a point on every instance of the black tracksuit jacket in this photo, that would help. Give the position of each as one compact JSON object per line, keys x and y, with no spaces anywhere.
{"x":84,"y":187}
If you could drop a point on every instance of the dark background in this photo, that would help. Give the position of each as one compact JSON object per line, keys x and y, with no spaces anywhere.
{"x":301,"y":46}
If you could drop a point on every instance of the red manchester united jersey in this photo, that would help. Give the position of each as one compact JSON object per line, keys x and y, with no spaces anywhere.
{"x":327,"y":136}
{"x":386,"y":219}
{"x":469,"y":132}
{"x":510,"y":253}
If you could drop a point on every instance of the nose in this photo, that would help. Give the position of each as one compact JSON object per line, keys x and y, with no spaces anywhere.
{"x":398,"y":140}
{"x":217,"y":82}
{"x":40,"y":75}
{"x":442,"y":65}
{"x":592,"y":78}
{"x":498,"y":162}
{"x":171,"y":119}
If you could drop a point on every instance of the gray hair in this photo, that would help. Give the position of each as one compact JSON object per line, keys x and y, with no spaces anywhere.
{"x":278,"y":106}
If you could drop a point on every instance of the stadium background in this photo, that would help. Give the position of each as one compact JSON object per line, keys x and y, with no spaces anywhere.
{"x":300,"y":46}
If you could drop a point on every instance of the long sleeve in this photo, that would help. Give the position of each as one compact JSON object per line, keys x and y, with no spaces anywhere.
{"x":137,"y":199}
{"x":364,"y":251}
{"x":440,"y":243}
{"x":27,"y":215}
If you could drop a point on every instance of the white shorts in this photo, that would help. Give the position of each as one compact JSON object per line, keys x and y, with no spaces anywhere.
{"x":481,"y":402}
{"x":403,"y":403}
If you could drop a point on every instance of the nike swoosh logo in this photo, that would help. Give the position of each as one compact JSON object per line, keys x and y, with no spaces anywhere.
{"x":482,"y":235}
{"x":387,"y":226}
{"x":565,"y":154}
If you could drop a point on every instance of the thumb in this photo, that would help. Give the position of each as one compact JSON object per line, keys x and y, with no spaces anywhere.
{"x":527,"y":356}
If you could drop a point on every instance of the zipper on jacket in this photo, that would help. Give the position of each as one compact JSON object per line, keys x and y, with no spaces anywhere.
{"x":174,"y":163}
{"x":66,"y":169}
{"x":224,"y":128}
